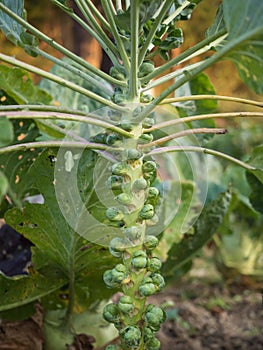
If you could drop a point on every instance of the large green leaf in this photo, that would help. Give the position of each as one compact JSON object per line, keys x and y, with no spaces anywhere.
{"x":203,"y":230}
{"x":244,"y":25}
{"x":18,"y":85}
{"x":9,"y":27}
{"x":58,"y":253}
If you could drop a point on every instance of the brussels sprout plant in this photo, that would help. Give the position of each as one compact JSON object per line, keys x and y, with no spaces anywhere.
{"x":120,"y":170}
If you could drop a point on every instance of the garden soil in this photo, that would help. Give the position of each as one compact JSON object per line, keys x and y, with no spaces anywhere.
{"x":201,"y":316}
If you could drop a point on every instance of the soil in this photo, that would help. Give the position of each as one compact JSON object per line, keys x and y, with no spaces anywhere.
{"x":204,"y":312}
{"x":200,"y":316}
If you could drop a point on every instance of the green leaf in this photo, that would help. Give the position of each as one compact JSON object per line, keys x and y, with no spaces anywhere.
{"x":256,"y":160}
{"x":59,"y":254}
{"x":3,"y":185}
{"x":203,"y":230}
{"x":7,"y":132}
{"x":255,"y":178}
{"x":15,"y":165}
{"x":18,"y":291}
{"x":243,"y":22}
{"x":10,"y":27}
{"x":18,"y":85}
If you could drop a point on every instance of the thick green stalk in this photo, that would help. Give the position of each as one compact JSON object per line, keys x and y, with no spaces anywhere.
{"x":133,"y":94}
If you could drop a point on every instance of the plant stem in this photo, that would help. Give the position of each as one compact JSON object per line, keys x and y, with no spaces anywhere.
{"x":97,"y":14}
{"x":182,"y":134}
{"x":201,"y":150}
{"x":153,"y":30}
{"x":97,"y":31}
{"x":60,"y":48}
{"x":55,"y":144}
{"x":211,"y":97}
{"x":107,"y":6}
{"x":133,"y":94}
{"x":64,"y":116}
{"x":203,"y":116}
{"x":13,"y":61}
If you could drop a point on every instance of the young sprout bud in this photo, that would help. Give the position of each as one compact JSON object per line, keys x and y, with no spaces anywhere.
{"x":148,"y":334}
{"x":145,"y":138}
{"x":117,"y":246}
{"x":147,"y":123}
{"x":147,"y":212}
{"x":111,"y":313}
{"x":154,"y":317}
{"x":153,"y":192}
{"x":126,"y":125}
{"x":125,"y":304}
{"x":114,"y":182}
{"x":99,"y":138}
{"x":147,"y":289}
{"x":119,"y":273}
{"x":108,"y":280}
{"x":132,"y":233}
{"x":158,"y":281}
{"x":139,"y":259}
{"x":153,"y":344}
{"x":119,"y":169}
{"x":140,"y":184}
{"x":114,"y":214}
{"x":112,"y":138}
{"x":151,"y":242}
{"x":118,"y":73}
{"x":124,"y":198}
{"x":133,"y":154}
{"x":149,"y":166}
{"x":119,"y":98}
{"x":146,"y":98}
{"x":131,"y":336}
{"x":154,"y":264}
{"x":145,"y":69}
